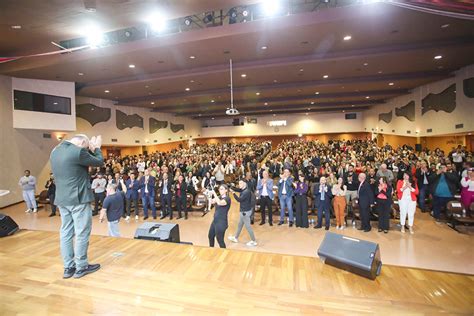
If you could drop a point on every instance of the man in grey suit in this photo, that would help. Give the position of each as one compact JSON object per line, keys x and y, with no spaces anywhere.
{"x":69,"y":162}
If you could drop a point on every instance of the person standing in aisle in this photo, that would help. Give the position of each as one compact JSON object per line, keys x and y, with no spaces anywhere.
{"x":245,"y":201}
{"x":219,"y":224}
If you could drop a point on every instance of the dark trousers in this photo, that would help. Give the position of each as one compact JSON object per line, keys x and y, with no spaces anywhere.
{"x":217,"y":231}
{"x":422,"y":197}
{"x":438,"y":204}
{"x":98,"y":199}
{"x":383,"y":208}
{"x":266,"y":203}
{"x":181,"y":206}
{"x":51,"y":202}
{"x":302,"y":211}
{"x":148,"y":199}
{"x":365,"y":217}
{"x":166,"y":205}
{"x":323,"y":207}
{"x":128,"y":205}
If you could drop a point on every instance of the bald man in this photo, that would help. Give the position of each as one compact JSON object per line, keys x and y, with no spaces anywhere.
{"x":70,"y":161}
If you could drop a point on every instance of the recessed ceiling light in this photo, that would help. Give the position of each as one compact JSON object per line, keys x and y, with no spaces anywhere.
{"x":347,"y":37}
{"x":391,"y":84}
{"x":275,"y":81}
{"x":366,"y":64}
{"x":243,"y":75}
{"x":317,"y":92}
{"x":274,"y":114}
{"x":191,"y":81}
{"x":271,"y":110}
{"x":106,"y":91}
{"x":131,"y":66}
{"x":200,"y":114}
{"x":264,"y":47}
{"x":444,"y":26}
{"x":309,"y":109}
{"x":312,"y":102}
{"x":438,"y":57}
{"x":306,"y":114}
{"x":213,"y":118}
{"x":352,"y":105}
{"x":147,"y":87}
{"x":55,"y":103}
{"x":380,"y":71}
{"x":16,"y":27}
{"x":192,"y":57}
{"x":258,"y":93}
{"x":187,"y":89}
{"x":367,"y":97}
{"x":343,"y":111}
{"x":266,"y":103}
{"x":301,"y":69}
{"x":152,"y":103}
{"x":80,"y":74}
{"x":213,"y":101}
{"x":325,"y":76}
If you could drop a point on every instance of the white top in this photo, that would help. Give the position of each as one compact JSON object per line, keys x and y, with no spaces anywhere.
{"x":469,"y":184}
{"x":98,"y":185}
{"x":141,"y":166}
{"x":406,"y":195}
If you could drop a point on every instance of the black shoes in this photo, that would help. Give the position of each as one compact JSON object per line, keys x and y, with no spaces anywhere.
{"x":145,"y":218}
{"x":162,"y":216}
{"x":291,"y":224}
{"x":52,"y":214}
{"x":385,"y":231}
{"x":327,"y":228}
{"x":91,"y":268}
{"x":262,"y":223}
{"x":69,"y":272}
{"x":380,"y":230}
{"x":271,"y":223}
{"x":317,"y":227}
{"x":367,"y":230}
{"x":154,"y":217}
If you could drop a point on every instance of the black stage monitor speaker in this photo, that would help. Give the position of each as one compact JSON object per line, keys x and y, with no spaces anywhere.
{"x":351,"y":254}
{"x":158,"y":231}
{"x":7,"y":226}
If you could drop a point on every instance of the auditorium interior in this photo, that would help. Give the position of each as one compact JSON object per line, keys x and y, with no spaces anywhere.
{"x":361,"y":103}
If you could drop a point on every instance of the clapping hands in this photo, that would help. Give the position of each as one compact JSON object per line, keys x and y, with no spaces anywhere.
{"x":95,"y":142}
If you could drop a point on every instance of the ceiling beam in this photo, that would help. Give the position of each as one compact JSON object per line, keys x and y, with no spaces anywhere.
{"x":303,"y":107}
{"x":282,"y":61}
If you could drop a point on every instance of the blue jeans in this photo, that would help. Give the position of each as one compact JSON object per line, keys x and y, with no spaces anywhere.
{"x":114,"y":228}
{"x":29,"y":197}
{"x":422,"y":197}
{"x":76,"y":221}
{"x":438,"y":204}
{"x":286,"y":202}
{"x":148,"y":199}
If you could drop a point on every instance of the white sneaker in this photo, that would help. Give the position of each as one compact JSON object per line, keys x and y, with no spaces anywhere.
{"x":35,"y":210}
{"x":343,"y":227}
{"x":28,"y":211}
{"x":232,"y":238}
{"x":127,"y":218}
{"x":251,"y":243}
{"x":136,"y":217}
{"x":411,"y":230}
{"x":403,"y":229}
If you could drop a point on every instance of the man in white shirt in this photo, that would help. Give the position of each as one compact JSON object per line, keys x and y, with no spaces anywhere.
{"x":28,"y":185}
{"x":98,"y":185}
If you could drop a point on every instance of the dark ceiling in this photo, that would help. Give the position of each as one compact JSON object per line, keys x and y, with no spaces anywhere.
{"x":391,"y":51}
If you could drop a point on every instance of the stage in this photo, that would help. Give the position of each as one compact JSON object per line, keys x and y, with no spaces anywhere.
{"x":140,"y":276}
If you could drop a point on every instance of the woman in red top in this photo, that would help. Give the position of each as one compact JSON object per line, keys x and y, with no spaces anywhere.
{"x":384,"y":204}
{"x":407,"y":190}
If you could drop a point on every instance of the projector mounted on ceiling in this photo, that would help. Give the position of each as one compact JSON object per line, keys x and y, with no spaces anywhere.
{"x":231,"y":110}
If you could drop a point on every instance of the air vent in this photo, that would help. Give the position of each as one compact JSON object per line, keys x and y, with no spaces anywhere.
{"x":393,"y":131}
{"x":137,"y":142}
{"x":46,"y":135}
{"x":381,"y":129}
{"x":113,"y":140}
{"x":351,"y":116}
{"x":169,"y":138}
{"x":199,"y":135}
{"x":155,"y":141}
{"x":181,"y":138}
{"x":458,"y":126}
{"x":408,"y":132}
{"x":429,"y":130}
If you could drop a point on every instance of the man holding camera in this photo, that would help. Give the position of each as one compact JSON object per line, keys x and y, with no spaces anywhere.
{"x":443,"y":187}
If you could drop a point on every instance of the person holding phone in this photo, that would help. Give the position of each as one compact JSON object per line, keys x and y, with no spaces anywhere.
{"x":219,"y":224}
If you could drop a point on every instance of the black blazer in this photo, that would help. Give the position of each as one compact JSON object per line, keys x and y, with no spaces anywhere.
{"x":183,"y":190}
{"x":366,"y":195}
{"x":419,"y":177}
{"x":169,"y":186}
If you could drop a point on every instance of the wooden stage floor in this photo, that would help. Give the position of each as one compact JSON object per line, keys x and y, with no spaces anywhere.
{"x":140,"y":276}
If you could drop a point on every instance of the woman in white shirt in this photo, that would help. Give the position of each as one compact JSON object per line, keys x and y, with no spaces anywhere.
{"x":467,"y":190}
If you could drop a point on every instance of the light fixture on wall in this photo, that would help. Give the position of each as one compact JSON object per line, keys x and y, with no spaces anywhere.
{"x":231,"y":110}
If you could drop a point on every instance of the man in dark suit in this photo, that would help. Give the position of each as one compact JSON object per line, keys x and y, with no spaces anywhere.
{"x":131,"y":195}
{"x":165,"y":193}
{"x":147,"y":188}
{"x":70,"y":161}
{"x":366,"y":199}
{"x":423,"y":175}
{"x":322,"y":196}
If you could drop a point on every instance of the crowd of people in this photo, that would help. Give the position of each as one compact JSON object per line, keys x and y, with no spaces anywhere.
{"x":340,"y":178}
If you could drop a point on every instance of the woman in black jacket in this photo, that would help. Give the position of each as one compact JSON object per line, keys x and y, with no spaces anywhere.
{"x":384,"y":204}
{"x":180,"y":195}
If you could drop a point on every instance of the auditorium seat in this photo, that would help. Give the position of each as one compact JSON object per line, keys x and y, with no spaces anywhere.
{"x":43,"y":199}
{"x":200,"y":203}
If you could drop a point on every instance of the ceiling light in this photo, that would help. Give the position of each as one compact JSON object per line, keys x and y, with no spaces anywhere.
{"x":366,"y":64}
{"x":275,"y":81}
{"x":270,"y":7}
{"x":80,"y":74}
{"x":444,"y":26}
{"x":131,"y":66}
{"x":391,"y":84}
{"x":352,"y":105}
{"x":191,"y":81}
{"x":271,"y":110}
{"x":152,"y":103}
{"x":266,"y":103}
{"x":301,"y":69}
{"x":200,"y":114}
{"x":347,"y":37}
{"x":309,"y":109}
{"x":438,"y":57}
{"x":312,"y":102}
{"x":55,"y":103}
{"x":274,"y":114}
{"x":325,"y":76}
{"x":95,"y":39}
{"x":16,"y":27}
{"x":157,"y":22}
{"x":380,"y":71}
{"x":243,"y":75}
{"x":258,"y":93}
{"x":317,"y":92}
{"x":106,"y":91}
{"x":213,"y":101}
{"x":367,"y":97}
{"x":306,"y":114}
{"x":147,"y":87}
{"x":192,"y":57}
{"x":264,"y":47}
{"x":213,"y":118}
{"x":187,"y":89}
